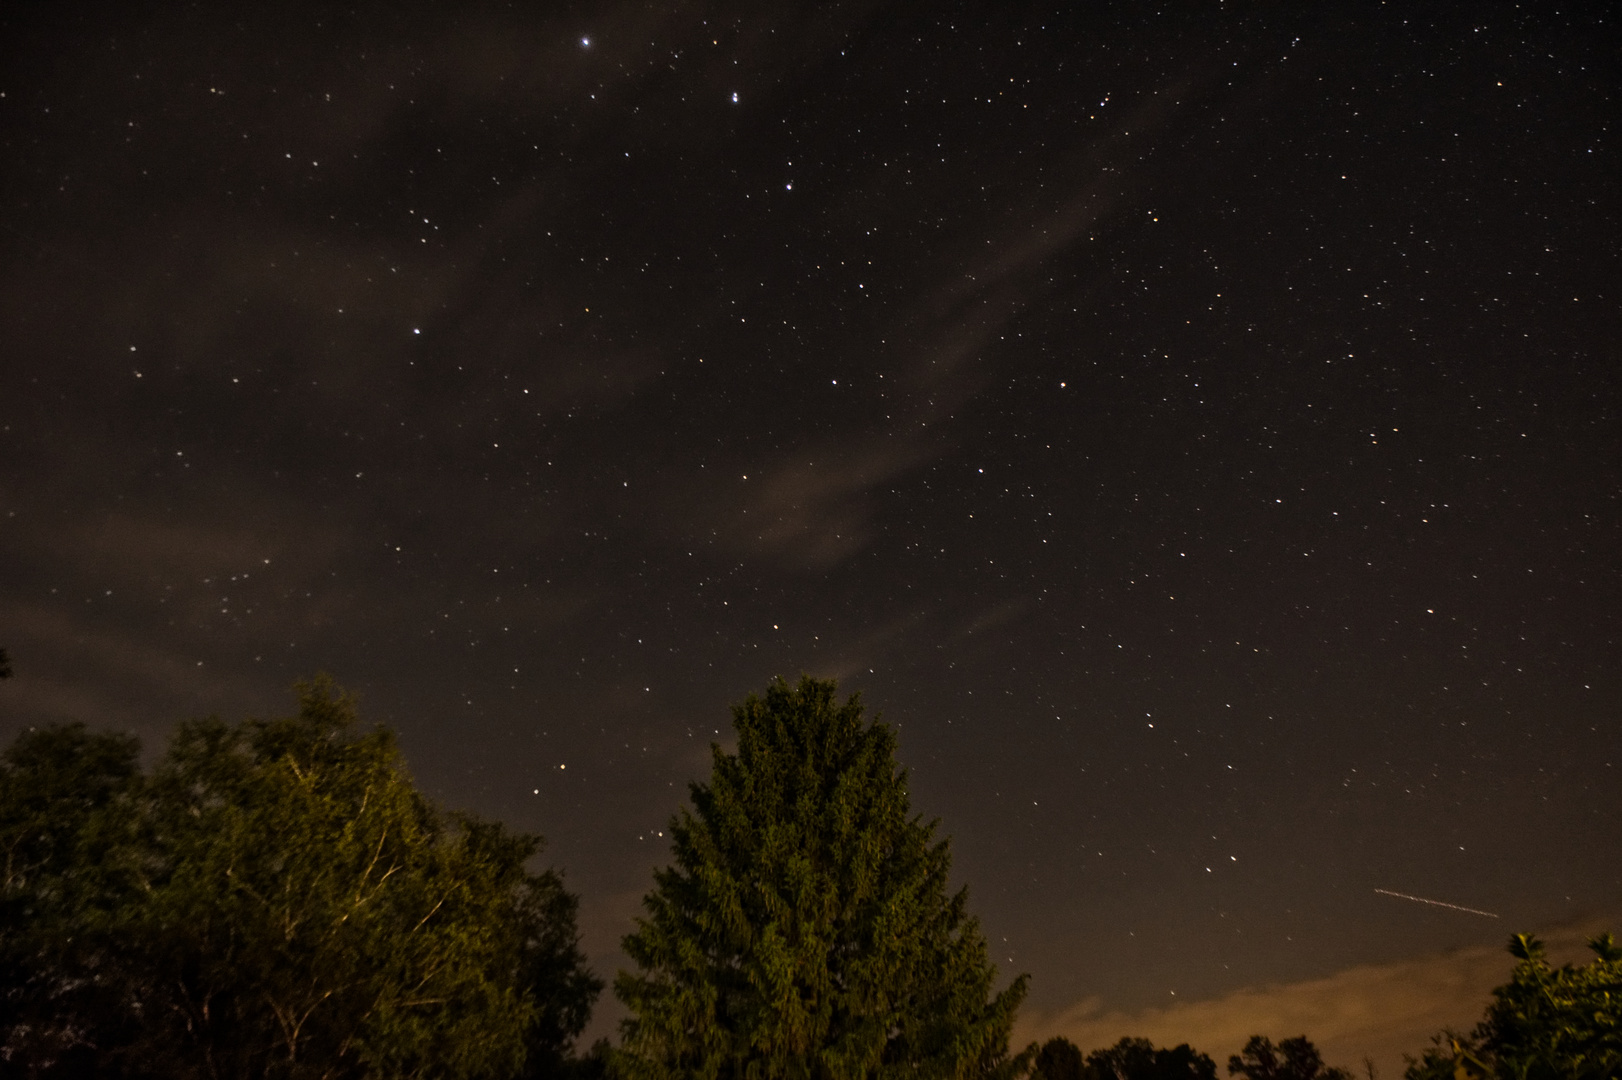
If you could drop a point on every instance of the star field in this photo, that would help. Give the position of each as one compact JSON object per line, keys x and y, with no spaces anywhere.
{"x":1195,"y":430}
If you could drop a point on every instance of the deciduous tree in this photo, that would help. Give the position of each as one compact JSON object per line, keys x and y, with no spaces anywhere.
{"x":71,"y":841}
{"x":1140,"y":1059}
{"x":1545,"y":1023}
{"x":1291,"y":1059}
{"x":1059,"y":1059}
{"x":281,"y":902}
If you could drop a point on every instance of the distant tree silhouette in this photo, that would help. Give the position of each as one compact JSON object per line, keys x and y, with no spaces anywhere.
{"x":1291,"y":1059}
{"x":5,"y":665}
{"x":1059,"y":1059}
{"x":1140,"y":1059}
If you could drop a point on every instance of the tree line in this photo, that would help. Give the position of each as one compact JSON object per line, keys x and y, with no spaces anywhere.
{"x":275,"y":898}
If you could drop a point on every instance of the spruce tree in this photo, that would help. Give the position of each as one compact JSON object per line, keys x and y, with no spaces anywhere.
{"x":805,"y":929}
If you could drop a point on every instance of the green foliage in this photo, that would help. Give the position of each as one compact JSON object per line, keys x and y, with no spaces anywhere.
{"x":1545,"y":1023}
{"x":1291,"y":1059}
{"x":805,"y":929}
{"x":1450,"y":1056}
{"x":1565,"y":1022}
{"x":277,"y":900}
{"x":70,"y":839}
{"x":1140,"y":1059}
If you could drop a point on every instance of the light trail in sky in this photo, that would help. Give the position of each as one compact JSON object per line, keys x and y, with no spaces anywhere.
{"x":1435,"y":903}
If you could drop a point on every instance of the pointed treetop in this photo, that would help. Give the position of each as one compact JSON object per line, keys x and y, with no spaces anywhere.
{"x":1605,"y":947}
{"x":1526,"y":947}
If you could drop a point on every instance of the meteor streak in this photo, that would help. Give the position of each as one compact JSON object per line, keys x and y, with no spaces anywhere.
{"x":1434,"y":903}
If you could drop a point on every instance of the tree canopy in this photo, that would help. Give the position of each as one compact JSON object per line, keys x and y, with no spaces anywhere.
{"x":1140,"y":1059}
{"x":1129,"y":1059}
{"x":1545,"y":1023}
{"x":805,"y":928}
{"x":73,"y":855}
{"x":275,"y":900}
{"x":1291,"y":1059}
{"x":1059,"y":1059}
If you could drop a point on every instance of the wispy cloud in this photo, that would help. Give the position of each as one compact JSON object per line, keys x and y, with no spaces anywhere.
{"x":804,"y":508}
{"x":805,"y":504}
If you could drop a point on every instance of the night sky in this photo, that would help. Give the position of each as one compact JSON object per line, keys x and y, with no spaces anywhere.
{"x":1195,"y":428}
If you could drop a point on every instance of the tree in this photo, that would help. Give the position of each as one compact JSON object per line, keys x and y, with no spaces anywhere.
{"x":805,"y":929}
{"x":1059,"y":1059}
{"x":299,"y":909}
{"x":1450,"y":1056}
{"x":1140,"y":1059}
{"x":1565,"y":1021}
{"x":1291,"y":1059}
{"x":5,"y":665}
{"x":70,"y":844}
{"x":1545,"y":1022}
